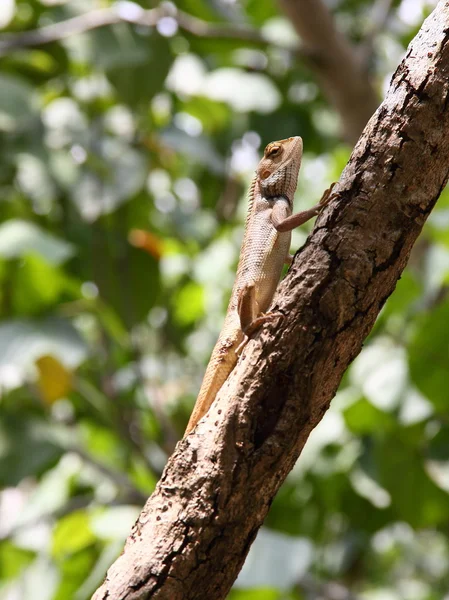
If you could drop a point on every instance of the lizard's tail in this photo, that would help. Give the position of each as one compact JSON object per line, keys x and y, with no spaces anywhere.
{"x":222,"y":362}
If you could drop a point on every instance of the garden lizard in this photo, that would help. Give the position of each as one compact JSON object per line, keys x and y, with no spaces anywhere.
{"x":265,"y":249}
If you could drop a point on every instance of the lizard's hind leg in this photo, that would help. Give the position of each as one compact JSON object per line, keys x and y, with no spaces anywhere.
{"x":251,"y":317}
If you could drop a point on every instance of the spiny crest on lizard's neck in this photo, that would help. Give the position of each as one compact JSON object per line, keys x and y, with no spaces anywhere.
{"x":278,"y":170}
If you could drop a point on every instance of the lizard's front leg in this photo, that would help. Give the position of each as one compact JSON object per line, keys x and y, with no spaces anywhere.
{"x":251,"y":317}
{"x":282,"y":222}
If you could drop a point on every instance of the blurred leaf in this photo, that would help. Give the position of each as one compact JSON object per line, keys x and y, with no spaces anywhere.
{"x":340,"y":158}
{"x":75,"y":569}
{"x":406,"y":293}
{"x":115,"y":522}
{"x":144,"y":479}
{"x":36,"y":62}
{"x":213,"y":115}
{"x":19,"y":238}
{"x":283,"y":123}
{"x":109,"y":554}
{"x":136,"y":65}
{"x":13,"y":559}
{"x":438,"y":447}
{"x":256,"y":594}
{"x":54,"y":380}
{"x":429,"y":355}
{"x":261,"y":10}
{"x":117,"y":46}
{"x":16,"y":103}
{"x":188,"y":304}
{"x":22,"y":342}
{"x":364,"y":514}
{"x":36,"y":285}
{"x":128,"y":277}
{"x":415,"y":498}
{"x":7,"y":11}
{"x":38,"y":581}
{"x":110,"y":178}
{"x":362,"y":417}
{"x":71,"y":534}
{"x":291,"y":514}
{"x":275,"y":560}
{"x":101,"y":442}
{"x":25,"y":448}
{"x":66,"y":124}
{"x":200,"y":8}
{"x":34,"y":179}
{"x":198,"y":149}
{"x":381,"y":373}
{"x":51,"y":495}
{"x":243,"y":91}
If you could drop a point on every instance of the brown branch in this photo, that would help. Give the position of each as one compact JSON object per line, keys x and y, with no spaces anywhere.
{"x":123,"y":12}
{"x":58,"y":31}
{"x":192,"y":537}
{"x":337,"y":67}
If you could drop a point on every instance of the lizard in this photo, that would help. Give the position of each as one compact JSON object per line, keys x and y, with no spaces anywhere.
{"x":265,"y":249}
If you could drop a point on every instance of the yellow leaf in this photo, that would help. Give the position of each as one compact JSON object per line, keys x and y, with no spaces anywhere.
{"x":54,"y":380}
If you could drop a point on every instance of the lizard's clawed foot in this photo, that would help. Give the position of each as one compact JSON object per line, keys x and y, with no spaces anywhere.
{"x":259,"y":321}
{"x":254,"y":326}
{"x":325,"y":198}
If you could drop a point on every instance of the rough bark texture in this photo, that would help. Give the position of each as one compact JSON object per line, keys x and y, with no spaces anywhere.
{"x":336,"y":66}
{"x":193,"y":535}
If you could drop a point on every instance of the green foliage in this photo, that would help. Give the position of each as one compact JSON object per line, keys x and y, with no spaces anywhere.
{"x":72,"y":534}
{"x":429,"y":355}
{"x":124,"y":154}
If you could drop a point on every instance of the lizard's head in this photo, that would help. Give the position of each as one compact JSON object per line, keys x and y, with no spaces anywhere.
{"x":278,"y":170}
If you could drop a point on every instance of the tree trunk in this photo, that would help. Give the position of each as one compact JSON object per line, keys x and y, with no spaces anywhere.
{"x":192,"y":537}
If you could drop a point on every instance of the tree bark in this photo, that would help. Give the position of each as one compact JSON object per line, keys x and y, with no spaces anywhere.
{"x":192,"y":537}
{"x":340,"y":74}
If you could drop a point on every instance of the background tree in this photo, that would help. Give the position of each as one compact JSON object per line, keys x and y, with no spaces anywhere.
{"x":125,"y":151}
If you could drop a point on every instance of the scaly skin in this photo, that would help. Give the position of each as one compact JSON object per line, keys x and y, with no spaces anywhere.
{"x":264,"y":251}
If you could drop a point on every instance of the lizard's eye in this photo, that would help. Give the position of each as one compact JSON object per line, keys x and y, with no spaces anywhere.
{"x":274,"y":151}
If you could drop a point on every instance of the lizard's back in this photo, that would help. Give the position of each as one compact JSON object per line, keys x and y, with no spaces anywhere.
{"x":261,"y":260}
{"x":262,"y":255}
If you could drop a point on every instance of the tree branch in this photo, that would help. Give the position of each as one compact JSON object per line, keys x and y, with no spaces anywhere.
{"x":338,"y":70}
{"x":129,"y":12}
{"x":192,"y":537}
